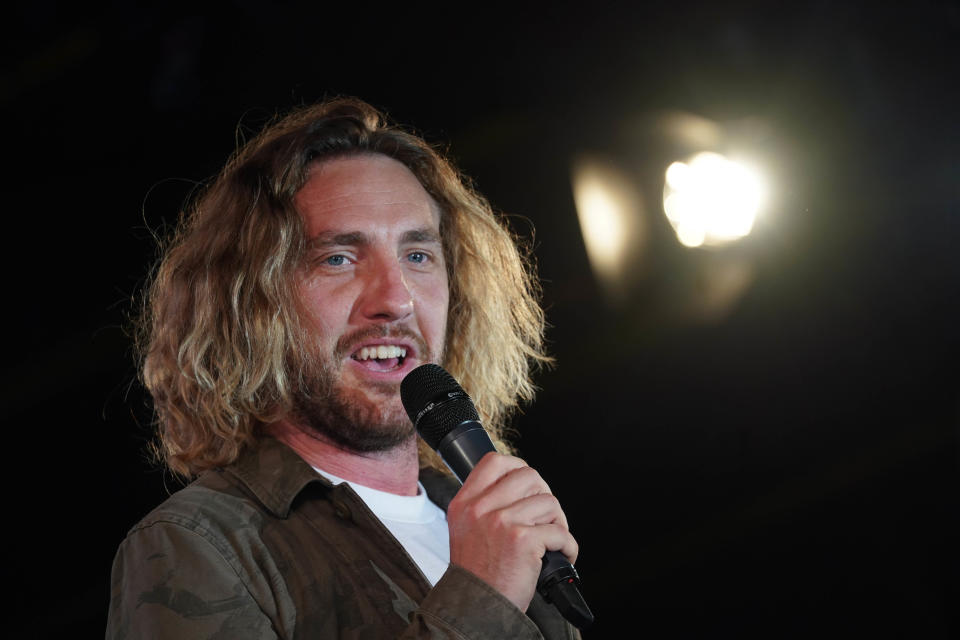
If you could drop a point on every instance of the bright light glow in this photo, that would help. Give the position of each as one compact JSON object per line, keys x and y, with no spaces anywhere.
{"x":611,"y":217}
{"x":602,"y":219}
{"x":711,"y":200}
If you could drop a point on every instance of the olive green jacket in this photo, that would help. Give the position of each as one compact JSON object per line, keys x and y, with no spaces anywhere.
{"x":267,"y":548}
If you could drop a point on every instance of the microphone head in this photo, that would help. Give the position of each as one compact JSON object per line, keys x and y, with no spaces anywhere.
{"x":435,"y":402}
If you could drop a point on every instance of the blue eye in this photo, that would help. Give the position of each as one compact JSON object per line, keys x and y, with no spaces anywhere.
{"x":336,"y":261}
{"x":417,"y":257}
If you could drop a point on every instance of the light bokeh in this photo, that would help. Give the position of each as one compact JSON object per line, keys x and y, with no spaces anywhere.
{"x":712,"y":200}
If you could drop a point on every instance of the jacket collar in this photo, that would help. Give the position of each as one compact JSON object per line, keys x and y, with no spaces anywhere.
{"x":276,"y":475}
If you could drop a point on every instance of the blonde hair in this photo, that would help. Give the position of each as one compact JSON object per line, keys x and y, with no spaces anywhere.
{"x":220,"y":327}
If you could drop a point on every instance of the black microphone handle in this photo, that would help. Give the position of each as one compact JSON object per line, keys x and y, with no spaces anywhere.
{"x":558,"y":583}
{"x":462,"y":448}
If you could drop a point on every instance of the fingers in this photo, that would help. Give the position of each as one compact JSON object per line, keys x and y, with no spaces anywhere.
{"x":539,"y":537}
{"x":541,"y":508}
{"x":502,"y":522}
{"x":491,"y":468}
{"x":558,"y":538}
{"x":539,"y":517}
{"x":499,"y":479}
{"x":510,"y":493}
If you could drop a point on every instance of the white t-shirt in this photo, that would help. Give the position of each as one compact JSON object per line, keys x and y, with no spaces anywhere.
{"x":419,"y":524}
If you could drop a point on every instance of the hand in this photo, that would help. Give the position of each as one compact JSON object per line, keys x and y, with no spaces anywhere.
{"x":502,"y":522}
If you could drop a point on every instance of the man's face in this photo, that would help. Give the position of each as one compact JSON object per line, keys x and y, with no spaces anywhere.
{"x":374,"y":285}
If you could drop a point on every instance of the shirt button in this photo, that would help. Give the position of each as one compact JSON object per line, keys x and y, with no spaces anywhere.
{"x":341,"y":510}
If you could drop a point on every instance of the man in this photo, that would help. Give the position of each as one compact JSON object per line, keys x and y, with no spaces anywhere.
{"x":332,"y":256}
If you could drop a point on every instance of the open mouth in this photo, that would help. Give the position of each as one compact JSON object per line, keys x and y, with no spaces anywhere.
{"x":381,"y":357}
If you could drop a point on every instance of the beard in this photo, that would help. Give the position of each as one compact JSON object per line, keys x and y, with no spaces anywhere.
{"x":362,"y":419}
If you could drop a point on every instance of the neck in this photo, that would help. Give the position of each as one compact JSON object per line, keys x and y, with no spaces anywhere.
{"x":394,"y":471}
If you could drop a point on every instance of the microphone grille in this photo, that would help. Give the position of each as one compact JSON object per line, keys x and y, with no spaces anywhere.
{"x":431,"y":384}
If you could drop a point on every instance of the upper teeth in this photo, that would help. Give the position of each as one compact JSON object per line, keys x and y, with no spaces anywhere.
{"x":381,"y":352}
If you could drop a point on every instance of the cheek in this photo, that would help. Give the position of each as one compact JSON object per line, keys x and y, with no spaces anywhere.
{"x":329,"y":309}
{"x":436,"y":307}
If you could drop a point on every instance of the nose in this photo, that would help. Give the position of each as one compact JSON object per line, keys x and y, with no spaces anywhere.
{"x":386,"y":296}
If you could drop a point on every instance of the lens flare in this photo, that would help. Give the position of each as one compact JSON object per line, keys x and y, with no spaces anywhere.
{"x":611,"y":218}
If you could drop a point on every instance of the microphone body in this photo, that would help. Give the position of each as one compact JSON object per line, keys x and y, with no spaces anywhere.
{"x":446,"y":419}
{"x":462,"y":448}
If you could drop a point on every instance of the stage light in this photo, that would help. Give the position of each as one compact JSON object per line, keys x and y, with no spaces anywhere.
{"x":711,"y":200}
{"x":611,"y":215}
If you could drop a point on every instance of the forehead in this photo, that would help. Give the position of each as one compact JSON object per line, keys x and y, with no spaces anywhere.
{"x":369,"y":191}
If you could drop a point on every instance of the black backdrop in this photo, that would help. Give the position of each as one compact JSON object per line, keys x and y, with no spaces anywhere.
{"x":785,"y":470}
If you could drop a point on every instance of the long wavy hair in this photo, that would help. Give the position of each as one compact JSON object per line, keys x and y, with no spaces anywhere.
{"x":221,"y":326}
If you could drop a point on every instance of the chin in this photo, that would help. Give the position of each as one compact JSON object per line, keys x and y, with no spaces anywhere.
{"x":365,"y":421}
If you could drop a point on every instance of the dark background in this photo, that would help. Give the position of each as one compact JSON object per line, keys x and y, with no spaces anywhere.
{"x":785,"y":469}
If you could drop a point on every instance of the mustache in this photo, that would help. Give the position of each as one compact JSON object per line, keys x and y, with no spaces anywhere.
{"x":349,"y":342}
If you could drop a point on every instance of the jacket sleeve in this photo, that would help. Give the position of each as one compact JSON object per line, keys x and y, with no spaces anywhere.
{"x":463,"y":606}
{"x":170,"y":582}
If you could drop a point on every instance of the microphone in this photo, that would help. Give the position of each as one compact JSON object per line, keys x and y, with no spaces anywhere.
{"x":446,"y":419}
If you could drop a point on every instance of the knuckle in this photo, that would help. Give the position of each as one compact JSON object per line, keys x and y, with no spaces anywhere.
{"x":495,"y":465}
{"x":527,"y":472}
{"x":491,"y":458}
{"x":550,"y":505}
{"x":473,"y":511}
{"x":533,"y":478}
{"x":508,"y":462}
{"x":518,"y":536}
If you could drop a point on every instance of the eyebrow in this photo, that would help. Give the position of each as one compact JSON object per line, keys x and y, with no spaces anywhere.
{"x":425,"y":234}
{"x":358,"y":238}
{"x":333,"y":239}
